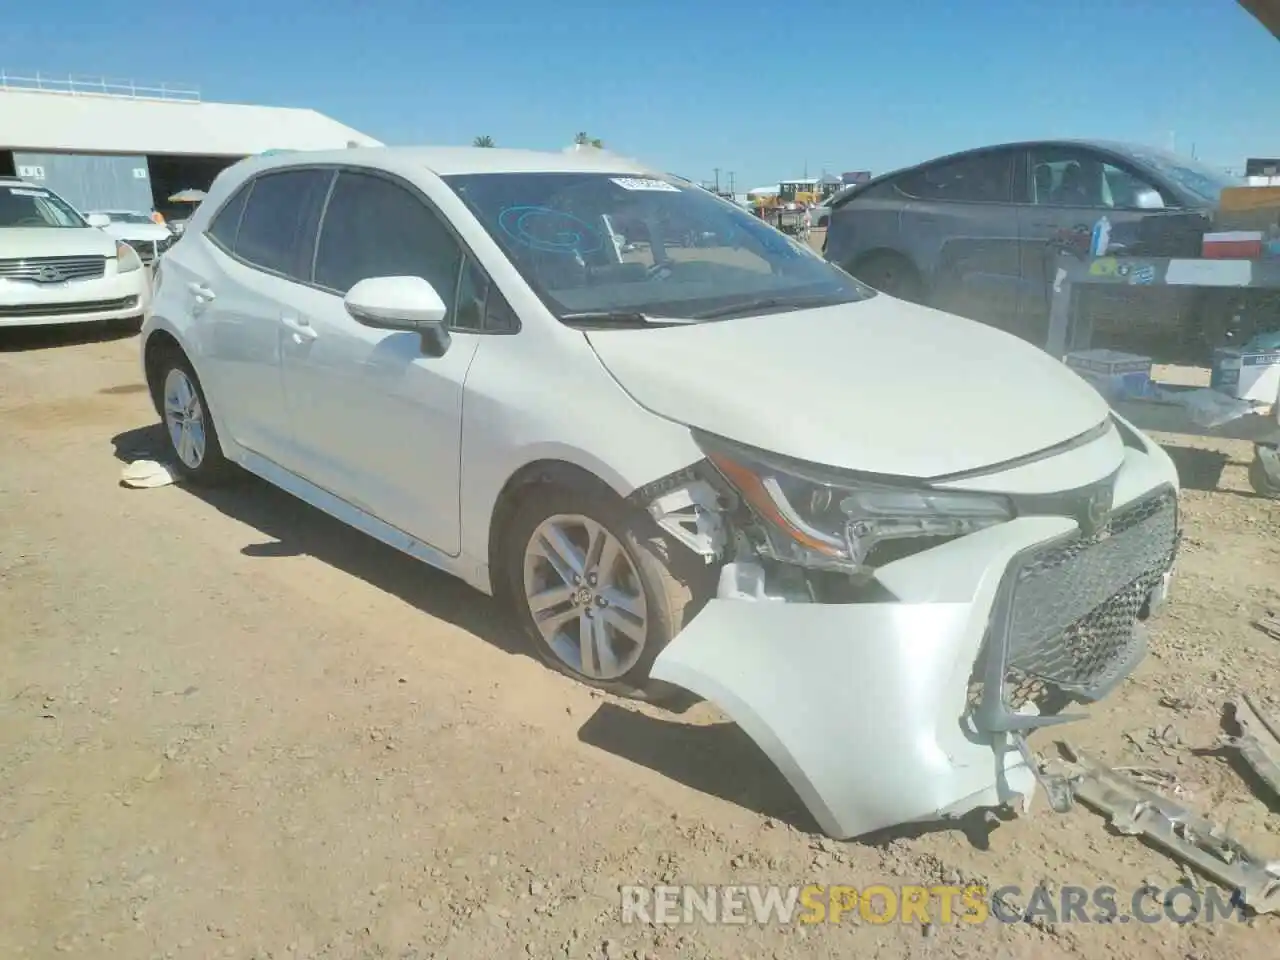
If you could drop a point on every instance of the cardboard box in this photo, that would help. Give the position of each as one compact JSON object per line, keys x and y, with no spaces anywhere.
{"x":1115,"y":375}
{"x":1252,"y":375}
{"x":1248,"y":208}
{"x":1234,"y":199}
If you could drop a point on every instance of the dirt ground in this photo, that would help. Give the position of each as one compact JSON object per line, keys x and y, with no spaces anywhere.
{"x":230,"y":727}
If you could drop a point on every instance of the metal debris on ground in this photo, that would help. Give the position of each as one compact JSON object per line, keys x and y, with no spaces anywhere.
{"x":1270,"y":625}
{"x":1258,"y":741}
{"x":1136,"y":811}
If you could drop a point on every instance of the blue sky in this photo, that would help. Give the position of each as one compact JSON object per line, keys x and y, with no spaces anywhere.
{"x":760,"y":90}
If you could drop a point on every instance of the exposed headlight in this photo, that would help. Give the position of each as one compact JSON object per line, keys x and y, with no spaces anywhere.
{"x":127,"y":259}
{"x":816,"y":518}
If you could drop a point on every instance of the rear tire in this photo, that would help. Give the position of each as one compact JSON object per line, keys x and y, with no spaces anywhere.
{"x":892,"y":274}
{"x":599,"y":590}
{"x":192,"y":435}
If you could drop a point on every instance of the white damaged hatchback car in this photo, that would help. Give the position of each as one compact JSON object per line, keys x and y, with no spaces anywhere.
{"x":887,"y":541}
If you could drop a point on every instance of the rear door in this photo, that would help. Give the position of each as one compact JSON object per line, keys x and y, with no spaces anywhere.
{"x":238,"y":283}
{"x":960,"y":228}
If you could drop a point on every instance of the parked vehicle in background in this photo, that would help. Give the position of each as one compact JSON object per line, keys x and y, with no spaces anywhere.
{"x":447,"y":350}
{"x":57,"y":267}
{"x":821,"y":214}
{"x":976,"y":233}
{"x":140,"y":231}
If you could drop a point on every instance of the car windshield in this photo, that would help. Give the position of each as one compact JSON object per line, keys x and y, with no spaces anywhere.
{"x":1200,"y":179}
{"x":22,"y":206}
{"x":613,"y":245}
{"x":118,"y":216}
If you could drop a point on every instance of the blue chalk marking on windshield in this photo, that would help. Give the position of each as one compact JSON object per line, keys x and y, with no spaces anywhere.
{"x":552,"y":231}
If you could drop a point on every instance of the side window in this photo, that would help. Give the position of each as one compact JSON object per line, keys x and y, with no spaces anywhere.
{"x":278,"y":229}
{"x":498,"y":315}
{"x":1128,"y":190}
{"x":226,"y":224}
{"x":376,"y":228}
{"x":473,"y":289}
{"x":980,"y":178}
{"x":1072,"y":177}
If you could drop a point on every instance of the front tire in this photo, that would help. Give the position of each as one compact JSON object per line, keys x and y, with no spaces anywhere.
{"x":188,"y":424}
{"x":598,"y":588}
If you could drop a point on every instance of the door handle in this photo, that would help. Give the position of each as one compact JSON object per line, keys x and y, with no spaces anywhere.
{"x":301,"y":327}
{"x":200,"y":291}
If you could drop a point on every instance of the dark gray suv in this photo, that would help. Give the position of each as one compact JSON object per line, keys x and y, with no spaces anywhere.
{"x":975,"y":233}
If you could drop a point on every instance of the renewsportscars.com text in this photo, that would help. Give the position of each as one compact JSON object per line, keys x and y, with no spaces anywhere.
{"x":935,"y":904}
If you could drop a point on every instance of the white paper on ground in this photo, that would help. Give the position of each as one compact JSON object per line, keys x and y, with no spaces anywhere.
{"x":142,"y":474}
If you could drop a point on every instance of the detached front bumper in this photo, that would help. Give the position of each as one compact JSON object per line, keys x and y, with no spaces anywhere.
{"x":913,"y":708}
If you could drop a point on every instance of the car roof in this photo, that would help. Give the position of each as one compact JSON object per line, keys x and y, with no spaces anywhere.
{"x":452,"y":161}
{"x":1109,"y":146}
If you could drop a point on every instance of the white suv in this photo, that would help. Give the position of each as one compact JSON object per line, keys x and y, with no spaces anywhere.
{"x":887,"y":541}
{"x":58,"y":267}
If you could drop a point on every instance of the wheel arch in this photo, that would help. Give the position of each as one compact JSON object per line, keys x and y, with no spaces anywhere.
{"x":545,"y":470}
{"x":158,"y":343}
{"x":889,"y":253}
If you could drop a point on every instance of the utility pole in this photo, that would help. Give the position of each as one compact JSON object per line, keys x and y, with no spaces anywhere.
{"x":717,"y":173}
{"x":731,"y":189}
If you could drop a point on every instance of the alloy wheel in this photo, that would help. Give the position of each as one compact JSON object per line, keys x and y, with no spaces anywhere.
{"x":585,"y":596}
{"x":184,"y":418}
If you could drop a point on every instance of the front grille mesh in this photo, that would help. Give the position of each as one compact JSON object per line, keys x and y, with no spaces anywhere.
{"x":1072,"y":607}
{"x":53,"y":269}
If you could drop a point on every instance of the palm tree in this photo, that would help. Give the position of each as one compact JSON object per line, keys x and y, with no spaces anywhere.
{"x":483,"y":141}
{"x":583,"y":140}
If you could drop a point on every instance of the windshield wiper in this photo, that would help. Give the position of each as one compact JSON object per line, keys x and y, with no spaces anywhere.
{"x":634,"y":317}
{"x":764,"y":303}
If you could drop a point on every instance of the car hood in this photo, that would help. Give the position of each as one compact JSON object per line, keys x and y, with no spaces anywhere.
{"x":879,"y":386}
{"x":147,"y":232}
{"x":17,"y":243}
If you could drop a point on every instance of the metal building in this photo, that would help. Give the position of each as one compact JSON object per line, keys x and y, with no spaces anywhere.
{"x":117,"y":145}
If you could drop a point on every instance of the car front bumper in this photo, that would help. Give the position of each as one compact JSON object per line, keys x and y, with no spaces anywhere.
{"x":116,"y":296}
{"x":913,"y":707}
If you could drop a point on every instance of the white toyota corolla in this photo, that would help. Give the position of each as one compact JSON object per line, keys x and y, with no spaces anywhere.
{"x":885,"y":540}
{"x":58,"y":267}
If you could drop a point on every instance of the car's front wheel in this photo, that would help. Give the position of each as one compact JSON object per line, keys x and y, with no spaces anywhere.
{"x":188,"y":424}
{"x":598,"y":587}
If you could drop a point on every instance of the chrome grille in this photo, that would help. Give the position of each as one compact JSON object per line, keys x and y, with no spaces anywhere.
{"x":1068,"y":612}
{"x":53,"y":269}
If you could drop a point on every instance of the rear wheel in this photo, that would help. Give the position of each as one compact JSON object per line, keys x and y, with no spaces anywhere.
{"x":891,"y":274}
{"x":188,"y":424}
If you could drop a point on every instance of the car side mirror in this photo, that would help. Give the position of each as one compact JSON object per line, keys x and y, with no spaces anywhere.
{"x":401,"y":303}
{"x":98,"y":220}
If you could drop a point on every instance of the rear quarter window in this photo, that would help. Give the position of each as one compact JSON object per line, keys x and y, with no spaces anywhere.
{"x":226,"y":223}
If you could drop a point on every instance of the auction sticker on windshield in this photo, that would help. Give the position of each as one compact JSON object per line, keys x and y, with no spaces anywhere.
{"x":23,"y":192}
{"x":644,"y":183}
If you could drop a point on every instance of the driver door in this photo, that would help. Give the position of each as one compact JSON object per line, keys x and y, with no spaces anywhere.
{"x":376,"y":421}
{"x":1068,"y":190}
